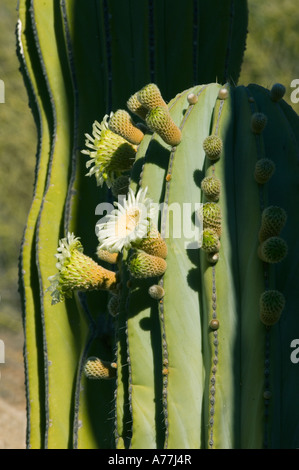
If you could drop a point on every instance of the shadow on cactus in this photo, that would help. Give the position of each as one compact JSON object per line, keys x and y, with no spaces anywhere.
{"x":211,"y":368}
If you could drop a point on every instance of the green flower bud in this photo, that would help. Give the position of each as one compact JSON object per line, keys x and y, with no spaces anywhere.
{"x":153,"y":244}
{"x":136,"y":107}
{"x":211,"y":213}
{"x":272,"y":303}
{"x":273,"y":221}
{"x":142,"y":265}
{"x":159,"y":120}
{"x":273,"y":250}
{"x":264,"y":169}
{"x":150,"y":97}
{"x":258,"y":122}
{"x":277,"y":92}
{"x":211,"y":187}
{"x":210,"y":241}
{"x":212,"y":146}
{"x":122,"y":124}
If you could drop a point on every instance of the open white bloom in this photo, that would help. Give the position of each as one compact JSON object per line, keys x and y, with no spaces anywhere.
{"x":110,"y":154}
{"x":128,"y":223}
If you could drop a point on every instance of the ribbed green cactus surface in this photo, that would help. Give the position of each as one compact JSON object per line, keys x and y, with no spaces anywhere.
{"x":192,"y":343}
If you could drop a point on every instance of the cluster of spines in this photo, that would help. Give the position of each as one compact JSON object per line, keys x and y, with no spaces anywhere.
{"x":211,"y":219}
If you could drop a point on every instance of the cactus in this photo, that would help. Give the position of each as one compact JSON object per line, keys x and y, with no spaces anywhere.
{"x":193,"y":334}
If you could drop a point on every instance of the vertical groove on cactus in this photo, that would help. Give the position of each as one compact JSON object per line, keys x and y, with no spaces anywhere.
{"x":33,"y":328}
{"x":257,"y":123}
{"x":215,"y":345}
{"x":37,"y":236}
{"x":67,"y":213}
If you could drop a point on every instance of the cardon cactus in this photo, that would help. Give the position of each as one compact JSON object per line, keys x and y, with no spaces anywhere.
{"x":160,"y":334}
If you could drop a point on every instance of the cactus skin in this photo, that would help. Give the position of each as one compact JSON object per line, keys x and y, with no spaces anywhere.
{"x":211,"y":392}
{"x":236,"y":273}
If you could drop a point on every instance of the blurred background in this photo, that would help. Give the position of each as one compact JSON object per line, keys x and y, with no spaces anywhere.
{"x":271,"y":56}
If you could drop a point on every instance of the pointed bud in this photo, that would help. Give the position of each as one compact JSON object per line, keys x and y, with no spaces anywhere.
{"x":272,"y":303}
{"x":160,"y":121}
{"x":136,"y":107}
{"x":212,"y":146}
{"x":142,"y":265}
{"x":97,"y":369}
{"x":264,"y":169}
{"x":150,"y":97}
{"x":122,"y":124}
